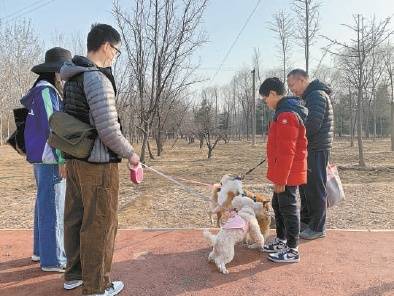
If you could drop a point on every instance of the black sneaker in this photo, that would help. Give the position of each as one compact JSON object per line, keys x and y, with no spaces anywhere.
{"x":275,"y":246}
{"x":287,"y":255}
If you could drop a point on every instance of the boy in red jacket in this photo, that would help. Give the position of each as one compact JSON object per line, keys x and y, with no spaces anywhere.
{"x":287,"y":167}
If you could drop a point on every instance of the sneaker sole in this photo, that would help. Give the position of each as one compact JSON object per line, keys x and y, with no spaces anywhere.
{"x":271,"y":251}
{"x":70,"y":287}
{"x":312,"y":238}
{"x":35,"y":258}
{"x":120,"y":290}
{"x":50,"y":269}
{"x":283,"y":261}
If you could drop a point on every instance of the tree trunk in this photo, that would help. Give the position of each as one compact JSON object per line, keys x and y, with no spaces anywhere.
{"x":374,"y":118}
{"x":1,"y":129}
{"x":150,"y":151}
{"x":144,"y":141}
{"x":368,"y":112}
{"x":209,"y":151}
{"x":392,"y":126}
{"x":361,"y":160}
{"x":8,"y":126}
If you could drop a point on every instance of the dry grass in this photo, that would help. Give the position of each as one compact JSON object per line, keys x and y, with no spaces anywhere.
{"x":159,"y":203}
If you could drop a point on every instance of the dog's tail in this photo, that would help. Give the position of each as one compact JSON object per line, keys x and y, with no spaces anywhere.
{"x":209,"y":236}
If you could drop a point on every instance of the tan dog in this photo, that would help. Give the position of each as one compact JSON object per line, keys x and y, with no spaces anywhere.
{"x":243,"y":224}
{"x":229,"y":187}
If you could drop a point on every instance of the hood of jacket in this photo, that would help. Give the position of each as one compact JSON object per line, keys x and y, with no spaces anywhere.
{"x":317,"y":85}
{"x":292,"y":104}
{"x":78,"y":64}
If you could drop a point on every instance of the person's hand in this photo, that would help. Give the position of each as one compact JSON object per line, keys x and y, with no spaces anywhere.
{"x":134,"y":159}
{"x":279,"y":188}
{"x":63,"y":170}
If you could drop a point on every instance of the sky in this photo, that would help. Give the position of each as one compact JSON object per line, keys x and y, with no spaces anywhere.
{"x":223,"y":21}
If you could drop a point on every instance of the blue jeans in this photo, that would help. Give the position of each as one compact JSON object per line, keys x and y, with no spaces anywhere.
{"x":49,"y":216}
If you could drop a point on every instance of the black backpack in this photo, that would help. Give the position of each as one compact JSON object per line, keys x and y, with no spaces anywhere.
{"x":17,"y":139}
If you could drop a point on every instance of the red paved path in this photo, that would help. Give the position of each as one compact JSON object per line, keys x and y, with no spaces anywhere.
{"x":173,"y":262}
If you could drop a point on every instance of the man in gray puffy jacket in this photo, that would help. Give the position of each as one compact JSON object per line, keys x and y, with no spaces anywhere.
{"x":93,"y":183}
{"x":320,"y":131}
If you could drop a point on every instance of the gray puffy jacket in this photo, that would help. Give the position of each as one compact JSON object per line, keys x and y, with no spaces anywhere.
{"x":89,"y":95}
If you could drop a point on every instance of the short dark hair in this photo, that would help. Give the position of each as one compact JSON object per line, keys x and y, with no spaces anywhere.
{"x":272,"y":84}
{"x":298,"y":72}
{"x":100,"y":34}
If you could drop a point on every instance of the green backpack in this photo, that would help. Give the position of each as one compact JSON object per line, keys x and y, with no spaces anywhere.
{"x":70,"y":135}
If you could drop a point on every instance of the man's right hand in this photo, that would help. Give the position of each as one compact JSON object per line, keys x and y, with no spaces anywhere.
{"x":134,"y":159}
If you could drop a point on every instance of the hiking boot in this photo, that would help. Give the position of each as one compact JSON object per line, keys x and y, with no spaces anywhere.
{"x":288,"y":255}
{"x":309,"y":234}
{"x":275,"y":246}
{"x":113,"y":290}
{"x":69,"y":285}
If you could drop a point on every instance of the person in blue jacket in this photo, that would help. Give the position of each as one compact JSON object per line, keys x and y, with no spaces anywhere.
{"x":42,"y":100}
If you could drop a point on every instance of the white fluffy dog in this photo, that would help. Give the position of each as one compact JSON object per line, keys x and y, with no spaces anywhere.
{"x":237,"y":228}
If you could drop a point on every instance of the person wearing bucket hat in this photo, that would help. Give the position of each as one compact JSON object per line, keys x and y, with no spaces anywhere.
{"x":41,"y":101}
{"x":90,"y":215}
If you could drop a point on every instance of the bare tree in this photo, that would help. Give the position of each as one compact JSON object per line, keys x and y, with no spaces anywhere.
{"x":282,"y":25}
{"x":160,"y":38}
{"x":307,"y":15}
{"x":19,"y":51}
{"x":389,"y":64}
{"x":205,"y":125}
{"x":355,"y":56}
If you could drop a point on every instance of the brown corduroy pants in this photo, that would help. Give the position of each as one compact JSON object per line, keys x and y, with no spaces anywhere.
{"x":90,"y":223}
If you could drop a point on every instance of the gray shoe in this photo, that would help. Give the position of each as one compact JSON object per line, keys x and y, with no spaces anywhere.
{"x":309,"y":234}
{"x":69,"y":285}
{"x":303,"y":226}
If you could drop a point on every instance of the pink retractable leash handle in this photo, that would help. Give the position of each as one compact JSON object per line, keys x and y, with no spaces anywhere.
{"x":136,"y":173}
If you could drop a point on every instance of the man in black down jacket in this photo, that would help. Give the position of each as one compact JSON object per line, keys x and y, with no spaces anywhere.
{"x":319,"y":130}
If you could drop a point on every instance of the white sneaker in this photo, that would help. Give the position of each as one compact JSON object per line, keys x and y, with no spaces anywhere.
{"x":115,"y":289}
{"x":35,"y":258}
{"x":54,"y":269}
{"x":69,"y":285}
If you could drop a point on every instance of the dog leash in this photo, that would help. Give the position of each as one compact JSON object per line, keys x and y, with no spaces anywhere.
{"x":252,"y":169}
{"x":191,"y":191}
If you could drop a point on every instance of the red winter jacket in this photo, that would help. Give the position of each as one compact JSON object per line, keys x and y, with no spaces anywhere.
{"x":287,"y":144}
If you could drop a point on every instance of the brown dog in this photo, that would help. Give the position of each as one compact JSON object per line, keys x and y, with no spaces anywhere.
{"x":229,"y":187}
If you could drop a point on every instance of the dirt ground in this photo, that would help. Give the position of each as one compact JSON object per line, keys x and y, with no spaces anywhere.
{"x":158,"y":203}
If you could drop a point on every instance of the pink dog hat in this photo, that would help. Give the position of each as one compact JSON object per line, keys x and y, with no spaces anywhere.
{"x":136,"y":173}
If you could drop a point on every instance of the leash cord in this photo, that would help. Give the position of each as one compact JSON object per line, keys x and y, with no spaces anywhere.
{"x":252,"y":169}
{"x":177,"y":182}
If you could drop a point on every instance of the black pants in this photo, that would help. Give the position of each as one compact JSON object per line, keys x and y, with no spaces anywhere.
{"x":287,"y":216}
{"x":313,"y":194}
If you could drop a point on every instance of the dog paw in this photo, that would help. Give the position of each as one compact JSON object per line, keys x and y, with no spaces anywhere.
{"x":222,"y":268}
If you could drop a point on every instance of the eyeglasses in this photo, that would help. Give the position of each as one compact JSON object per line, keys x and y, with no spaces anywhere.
{"x":118,"y":52}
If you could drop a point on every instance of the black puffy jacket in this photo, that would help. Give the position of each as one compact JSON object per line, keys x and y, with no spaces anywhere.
{"x":320,"y":121}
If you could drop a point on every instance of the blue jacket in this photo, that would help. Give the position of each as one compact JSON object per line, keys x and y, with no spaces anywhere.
{"x":320,"y":121}
{"x":41,"y":101}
